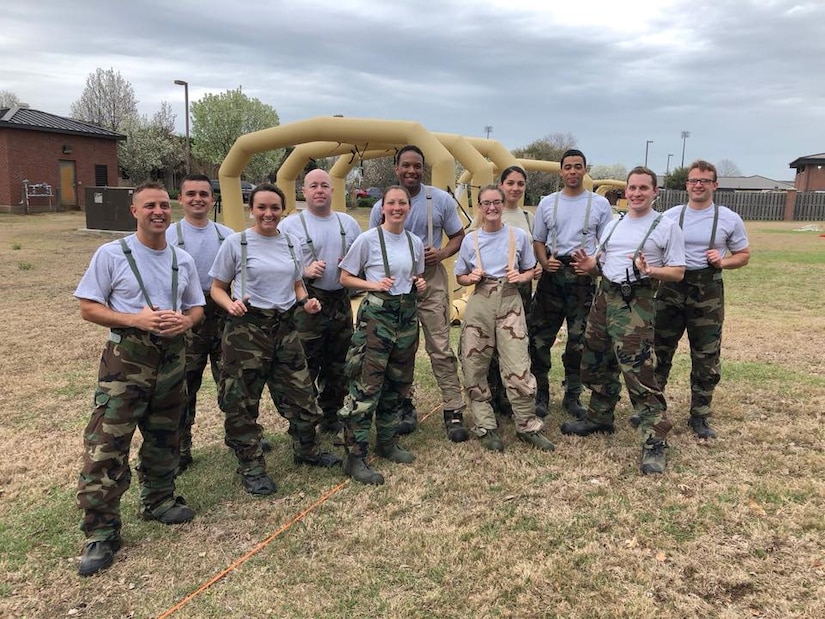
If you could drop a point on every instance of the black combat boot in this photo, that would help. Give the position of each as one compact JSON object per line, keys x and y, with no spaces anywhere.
{"x":394,"y":453}
{"x":573,"y":405}
{"x":585,"y":427}
{"x":454,"y":424}
{"x":98,"y":555}
{"x":542,"y":402}
{"x":700,"y":426}
{"x":408,"y":417}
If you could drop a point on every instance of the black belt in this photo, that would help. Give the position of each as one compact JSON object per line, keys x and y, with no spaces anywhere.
{"x":326,"y":294}
{"x":617,"y":288}
{"x":703,"y":274}
{"x":154,"y":338}
{"x":565,"y":260}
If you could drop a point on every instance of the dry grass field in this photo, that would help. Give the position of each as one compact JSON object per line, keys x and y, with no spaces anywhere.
{"x":734,"y":528}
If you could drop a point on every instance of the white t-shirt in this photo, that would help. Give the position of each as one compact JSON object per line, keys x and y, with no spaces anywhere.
{"x":271,"y":271}
{"x":445,"y":217}
{"x":365,"y":255}
{"x":494,"y":248}
{"x":326,"y":237}
{"x":566,"y":229}
{"x":109,"y":280}
{"x":665,"y":246}
{"x":200,"y":243}
{"x":697,"y":228}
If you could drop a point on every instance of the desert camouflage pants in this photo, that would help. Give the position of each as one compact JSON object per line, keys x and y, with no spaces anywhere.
{"x":326,"y":337}
{"x":494,"y":323}
{"x":696,"y":304}
{"x":203,"y":344}
{"x":619,"y":340}
{"x":560,"y":296}
{"x":434,"y":315}
{"x":380,"y":365}
{"x":497,"y":388}
{"x":140,"y":385}
{"x":262,"y":348}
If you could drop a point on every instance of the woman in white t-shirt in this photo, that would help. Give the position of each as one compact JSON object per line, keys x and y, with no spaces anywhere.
{"x":260,"y":344}
{"x":495,"y":259}
{"x":387,"y":261}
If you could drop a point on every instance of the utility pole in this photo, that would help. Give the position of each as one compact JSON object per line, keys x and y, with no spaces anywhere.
{"x":488,"y":129}
{"x":647,"y":146}
{"x":188,"y":142}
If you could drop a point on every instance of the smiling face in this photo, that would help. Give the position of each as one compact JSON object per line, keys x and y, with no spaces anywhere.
{"x":395,"y":206}
{"x":410,"y":170}
{"x":513,"y":187}
{"x":491,"y":205}
{"x":640,"y":192}
{"x":267,"y":210}
{"x":152,"y":210}
{"x":700,"y":185}
{"x":196,"y":199}
{"x":572,"y":172}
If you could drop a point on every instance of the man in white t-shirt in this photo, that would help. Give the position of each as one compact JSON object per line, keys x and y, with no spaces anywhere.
{"x":201,"y":238}
{"x":325,"y":238}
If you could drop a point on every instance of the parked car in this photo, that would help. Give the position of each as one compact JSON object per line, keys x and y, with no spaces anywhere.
{"x":361,"y":193}
{"x":374,"y":192}
{"x":246,"y":189}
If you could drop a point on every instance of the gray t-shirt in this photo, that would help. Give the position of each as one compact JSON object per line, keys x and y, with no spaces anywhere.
{"x":566,"y":229}
{"x":697,"y":228}
{"x":327,"y":242}
{"x":494,"y":248}
{"x":109,"y":280}
{"x":271,"y":271}
{"x":665,"y":246}
{"x":445,"y":217}
{"x":365,"y":255}
{"x":200,"y":243}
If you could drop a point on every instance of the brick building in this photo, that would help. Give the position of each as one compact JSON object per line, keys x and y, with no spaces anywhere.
{"x":810,"y":172}
{"x":57,"y":156}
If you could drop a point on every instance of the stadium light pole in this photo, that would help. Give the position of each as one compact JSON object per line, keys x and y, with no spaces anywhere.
{"x":647,"y":146}
{"x":188,"y":142}
{"x":685,"y":136}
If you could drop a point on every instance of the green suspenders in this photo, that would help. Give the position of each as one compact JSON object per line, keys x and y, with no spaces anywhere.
{"x":132,"y":265}
{"x":384,"y":252}
{"x":244,"y":244}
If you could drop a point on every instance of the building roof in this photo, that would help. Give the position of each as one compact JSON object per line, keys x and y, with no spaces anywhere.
{"x":752,"y":183}
{"x":818,"y":159}
{"x":35,"y":120}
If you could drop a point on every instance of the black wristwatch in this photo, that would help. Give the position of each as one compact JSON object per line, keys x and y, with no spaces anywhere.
{"x":302,"y":302}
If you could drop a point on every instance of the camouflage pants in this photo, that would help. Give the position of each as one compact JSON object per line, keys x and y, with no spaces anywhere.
{"x":497,"y":388}
{"x":434,"y":315}
{"x":380,"y":365}
{"x":140,"y":385}
{"x":326,"y":337}
{"x":696,"y":304}
{"x":619,"y":339}
{"x":262,"y":348}
{"x":203,"y":343}
{"x":494,"y":323}
{"x":560,"y":296}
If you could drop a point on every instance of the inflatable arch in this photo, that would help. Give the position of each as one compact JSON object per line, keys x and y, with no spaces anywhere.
{"x":347,"y":130}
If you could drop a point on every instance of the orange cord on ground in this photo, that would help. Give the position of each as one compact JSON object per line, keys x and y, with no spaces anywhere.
{"x":240,"y":561}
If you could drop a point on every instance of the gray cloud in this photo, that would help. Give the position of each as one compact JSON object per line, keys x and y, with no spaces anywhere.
{"x":742,"y":76}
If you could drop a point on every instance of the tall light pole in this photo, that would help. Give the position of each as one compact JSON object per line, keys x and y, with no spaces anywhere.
{"x":685,"y":136}
{"x":488,"y":129}
{"x":667,"y":168}
{"x":188,"y":142}
{"x":647,"y":146}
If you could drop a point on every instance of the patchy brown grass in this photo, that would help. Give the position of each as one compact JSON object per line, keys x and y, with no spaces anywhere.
{"x":733,"y":529}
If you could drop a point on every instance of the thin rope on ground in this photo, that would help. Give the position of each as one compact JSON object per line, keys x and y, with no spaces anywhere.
{"x":240,"y":561}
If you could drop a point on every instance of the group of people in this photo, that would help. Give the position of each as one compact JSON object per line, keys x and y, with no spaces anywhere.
{"x":269,"y":306}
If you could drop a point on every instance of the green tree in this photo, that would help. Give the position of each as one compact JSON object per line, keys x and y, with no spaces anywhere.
{"x":219,"y":120}
{"x":151,"y":146}
{"x":677,"y":178}
{"x":107,"y":101}
{"x":548,"y":148}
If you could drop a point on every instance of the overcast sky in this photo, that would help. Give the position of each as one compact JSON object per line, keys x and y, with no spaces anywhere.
{"x":745,"y":77}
